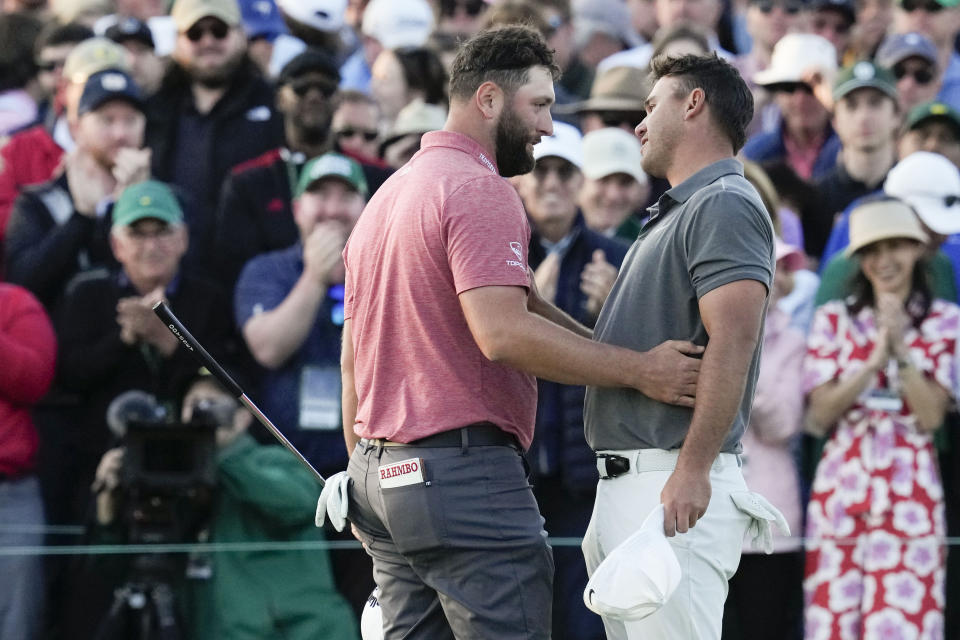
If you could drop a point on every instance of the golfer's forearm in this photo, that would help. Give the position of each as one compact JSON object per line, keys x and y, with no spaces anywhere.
{"x":559,"y":317}
{"x":549,"y":351}
{"x":349,"y":413}
{"x":720,"y":387}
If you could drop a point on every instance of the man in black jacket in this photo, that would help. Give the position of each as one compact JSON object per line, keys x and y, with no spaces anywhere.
{"x":255,"y":212}
{"x":213,"y":110}
{"x":111,"y":341}
{"x":59,"y":228}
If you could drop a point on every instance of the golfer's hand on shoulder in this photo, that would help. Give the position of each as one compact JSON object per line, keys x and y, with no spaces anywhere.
{"x":334,"y":501}
{"x":668,"y":372}
{"x":685,"y":498}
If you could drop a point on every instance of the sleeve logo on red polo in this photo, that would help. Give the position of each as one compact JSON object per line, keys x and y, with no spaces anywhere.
{"x":517,"y":249}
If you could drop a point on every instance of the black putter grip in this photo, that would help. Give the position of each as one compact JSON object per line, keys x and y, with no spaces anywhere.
{"x":187,"y":340}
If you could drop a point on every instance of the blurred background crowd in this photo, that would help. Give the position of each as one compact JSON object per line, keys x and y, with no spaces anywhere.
{"x":216,"y":155}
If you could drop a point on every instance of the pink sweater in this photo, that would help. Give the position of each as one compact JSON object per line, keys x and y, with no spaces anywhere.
{"x":777,"y":417}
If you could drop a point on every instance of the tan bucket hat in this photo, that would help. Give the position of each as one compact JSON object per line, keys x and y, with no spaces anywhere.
{"x":881,"y":220}
{"x":616,"y":89}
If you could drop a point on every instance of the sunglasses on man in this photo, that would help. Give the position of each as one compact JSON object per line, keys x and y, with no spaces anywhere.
{"x":50,"y":65}
{"x":920,"y":76}
{"x":767,"y":6}
{"x":216,"y":28}
{"x":563,"y":169}
{"x":621,"y":119}
{"x":448,"y":8}
{"x":303,"y":87}
{"x":790,"y":87}
{"x":349,"y":132}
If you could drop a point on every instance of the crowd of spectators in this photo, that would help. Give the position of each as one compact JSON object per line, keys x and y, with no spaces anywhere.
{"x":215,"y":154}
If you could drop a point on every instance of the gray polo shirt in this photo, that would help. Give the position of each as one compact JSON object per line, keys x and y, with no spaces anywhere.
{"x":710,"y":230}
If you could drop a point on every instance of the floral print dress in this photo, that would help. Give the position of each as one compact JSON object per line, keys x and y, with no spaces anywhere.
{"x":875,"y":522}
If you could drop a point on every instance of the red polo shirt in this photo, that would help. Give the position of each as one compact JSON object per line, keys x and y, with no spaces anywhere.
{"x":444,"y":223}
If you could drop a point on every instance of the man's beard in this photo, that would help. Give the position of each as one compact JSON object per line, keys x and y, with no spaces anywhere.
{"x":313,"y":130}
{"x":217,"y":77}
{"x":513,"y":159}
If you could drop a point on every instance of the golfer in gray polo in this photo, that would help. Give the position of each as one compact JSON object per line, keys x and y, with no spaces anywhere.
{"x":700,"y":271}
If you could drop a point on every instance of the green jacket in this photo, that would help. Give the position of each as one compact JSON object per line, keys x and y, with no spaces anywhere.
{"x":266,"y":496}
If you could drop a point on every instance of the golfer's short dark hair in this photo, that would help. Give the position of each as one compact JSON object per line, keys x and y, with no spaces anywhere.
{"x":730,"y":100}
{"x":502,"y":55}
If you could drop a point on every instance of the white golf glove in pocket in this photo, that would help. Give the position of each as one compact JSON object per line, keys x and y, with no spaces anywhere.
{"x":764,"y":516}
{"x":334,"y":501}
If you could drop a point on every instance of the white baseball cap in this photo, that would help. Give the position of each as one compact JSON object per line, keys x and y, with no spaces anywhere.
{"x":794,"y":55}
{"x":930,"y":184}
{"x":566,"y":142}
{"x":323,"y":15}
{"x":638,"y":577}
{"x":398,"y":23}
{"x":612,"y":150}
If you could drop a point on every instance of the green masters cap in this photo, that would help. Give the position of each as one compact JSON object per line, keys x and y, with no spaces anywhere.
{"x":943,"y":3}
{"x":332,"y":165}
{"x":930,"y":110}
{"x":864,"y":74}
{"x":148,"y":199}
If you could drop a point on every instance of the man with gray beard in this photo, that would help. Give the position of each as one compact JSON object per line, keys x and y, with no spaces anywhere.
{"x":213,"y":110}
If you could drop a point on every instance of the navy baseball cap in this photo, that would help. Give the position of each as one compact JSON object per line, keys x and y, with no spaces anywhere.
{"x":846,"y":7}
{"x":898,"y":47}
{"x":104,"y":86}
{"x":311,"y":60}
{"x":130,"y":29}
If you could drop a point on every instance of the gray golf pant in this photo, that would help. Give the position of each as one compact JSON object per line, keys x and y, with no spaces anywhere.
{"x":461,"y":555}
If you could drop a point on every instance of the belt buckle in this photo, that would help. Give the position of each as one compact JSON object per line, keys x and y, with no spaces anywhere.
{"x":610,"y":465}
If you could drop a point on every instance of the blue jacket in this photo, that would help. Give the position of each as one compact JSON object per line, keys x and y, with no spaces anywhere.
{"x":769,"y":147}
{"x":312,"y":370}
{"x":559,"y":449}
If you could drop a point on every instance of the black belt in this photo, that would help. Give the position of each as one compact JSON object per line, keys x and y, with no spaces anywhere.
{"x":481,"y":434}
{"x":610,"y":465}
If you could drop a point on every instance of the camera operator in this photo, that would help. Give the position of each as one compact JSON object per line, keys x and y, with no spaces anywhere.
{"x":262,"y":495}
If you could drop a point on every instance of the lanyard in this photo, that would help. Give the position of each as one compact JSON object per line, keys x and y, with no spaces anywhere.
{"x":293,"y":161}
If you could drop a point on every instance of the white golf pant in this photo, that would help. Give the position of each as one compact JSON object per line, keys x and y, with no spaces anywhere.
{"x":708,"y":553}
